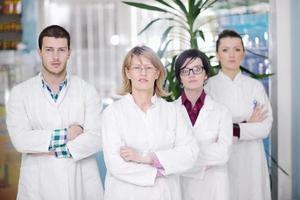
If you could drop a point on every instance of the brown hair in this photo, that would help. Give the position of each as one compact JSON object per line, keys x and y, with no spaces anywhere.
{"x":54,"y":31}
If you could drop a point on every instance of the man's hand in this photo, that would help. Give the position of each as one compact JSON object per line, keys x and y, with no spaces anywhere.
{"x":130,"y":154}
{"x":74,"y":131}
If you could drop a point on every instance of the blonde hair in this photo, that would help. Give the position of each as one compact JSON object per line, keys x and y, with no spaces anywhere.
{"x":154,"y":59}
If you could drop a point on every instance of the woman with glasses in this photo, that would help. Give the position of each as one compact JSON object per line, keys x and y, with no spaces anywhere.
{"x":146,"y":141}
{"x":212,"y":127}
{"x":252,"y":117}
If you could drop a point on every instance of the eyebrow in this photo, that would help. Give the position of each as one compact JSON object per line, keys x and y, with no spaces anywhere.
{"x":56,"y":47}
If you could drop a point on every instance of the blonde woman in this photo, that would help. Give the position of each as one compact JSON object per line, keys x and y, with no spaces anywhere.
{"x":146,"y":142}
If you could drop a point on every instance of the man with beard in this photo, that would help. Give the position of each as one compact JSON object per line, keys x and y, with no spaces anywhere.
{"x":53,"y":119}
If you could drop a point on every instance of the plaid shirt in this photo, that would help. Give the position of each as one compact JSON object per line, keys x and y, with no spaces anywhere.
{"x":59,"y":136}
{"x":58,"y":143}
{"x":52,"y":94}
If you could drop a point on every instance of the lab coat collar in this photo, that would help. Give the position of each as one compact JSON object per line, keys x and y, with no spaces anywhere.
{"x":208,"y":105}
{"x":154,"y":99}
{"x":62,"y":92}
{"x":67,"y":79}
{"x":237,"y":78}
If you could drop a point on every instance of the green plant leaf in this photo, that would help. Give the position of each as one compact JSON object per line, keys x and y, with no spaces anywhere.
{"x":166,"y":33}
{"x":261,"y":76}
{"x":191,"y":5}
{"x":196,"y":13}
{"x":160,"y":51}
{"x":152,"y":22}
{"x":165,"y":3}
{"x":198,"y":4}
{"x":256,"y":76}
{"x":182,"y":7}
{"x":247,"y":71}
{"x":199,"y":33}
{"x":145,"y":6}
{"x":213,"y":70}
{"x":256,"y":54}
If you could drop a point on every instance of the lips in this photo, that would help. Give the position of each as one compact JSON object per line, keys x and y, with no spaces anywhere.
{"x":55,"y":64}
{"x":142,"y":80}
{"x":192,"y":81}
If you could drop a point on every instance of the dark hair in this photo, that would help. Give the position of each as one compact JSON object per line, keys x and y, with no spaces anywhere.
{"x":192,"y":54}
{"x":228,"y":33}
{"x":54,"y":31}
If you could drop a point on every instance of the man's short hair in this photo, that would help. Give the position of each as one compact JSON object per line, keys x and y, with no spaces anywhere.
{"x":56,"y":32}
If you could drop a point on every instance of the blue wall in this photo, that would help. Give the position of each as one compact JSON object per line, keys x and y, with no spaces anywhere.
{"x":101,"y":165}
{"x":295,"y":26}
{"x":29,"y":22}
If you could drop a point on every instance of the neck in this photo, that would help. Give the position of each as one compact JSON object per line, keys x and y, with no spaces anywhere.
{"x":142,"y":99}
{"x":53,"y":79}
{"x":193,"y":95}
{"x":231,"y":73}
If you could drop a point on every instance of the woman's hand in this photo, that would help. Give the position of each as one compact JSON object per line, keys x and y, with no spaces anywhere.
{"x":131,"y":155}
{"x":259,"y":114}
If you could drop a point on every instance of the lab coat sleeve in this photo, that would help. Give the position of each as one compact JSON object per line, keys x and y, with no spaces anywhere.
{"x":184,"y":153}
{"x":89,"y":142}
{"x":218,"y":153}
{"x":24,"y":139}
{"x":260,"y":130}
{"x":131,"y":172}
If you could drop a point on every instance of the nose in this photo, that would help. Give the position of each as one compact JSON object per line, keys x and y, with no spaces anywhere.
{"x":231,"y":53}
{"x":143,"y":71}
{"x":55,"y":55}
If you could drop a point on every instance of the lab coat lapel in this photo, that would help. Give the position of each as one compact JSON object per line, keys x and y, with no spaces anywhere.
{"x":184,"y":111}
{"x":205,"y":110}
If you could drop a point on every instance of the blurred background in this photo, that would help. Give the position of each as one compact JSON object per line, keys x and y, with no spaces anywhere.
{"x":102,"y":31}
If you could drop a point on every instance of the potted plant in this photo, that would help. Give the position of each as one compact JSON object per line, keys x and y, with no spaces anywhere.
{"x":182,"y":18}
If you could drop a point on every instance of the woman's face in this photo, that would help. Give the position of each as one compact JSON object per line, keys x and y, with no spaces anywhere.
{"x":230,"y":53}
{"x":142,"y":74}
{"x":193,"y":74}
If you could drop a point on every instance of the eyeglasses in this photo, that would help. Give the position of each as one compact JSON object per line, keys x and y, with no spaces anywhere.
{"x":196,"y":70}
{"x":147,"y":68}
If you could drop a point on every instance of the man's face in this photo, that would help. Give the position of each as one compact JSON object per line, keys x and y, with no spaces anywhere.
{"x":54,"y":55}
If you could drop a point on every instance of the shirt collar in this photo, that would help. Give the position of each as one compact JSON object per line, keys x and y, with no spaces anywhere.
{"x":63,"y":83}
{"x":199,"y":101}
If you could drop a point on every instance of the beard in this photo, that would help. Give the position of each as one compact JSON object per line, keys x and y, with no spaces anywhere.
{"x":55,"y":72}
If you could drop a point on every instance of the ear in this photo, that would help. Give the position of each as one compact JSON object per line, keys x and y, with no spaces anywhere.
{"x":39,"y":52}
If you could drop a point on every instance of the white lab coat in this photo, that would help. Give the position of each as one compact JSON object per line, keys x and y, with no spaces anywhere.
{"x":32,"y":116}
{"x":208,"y":180}
{"x":162,"y":130}
{"x":248,"y":170}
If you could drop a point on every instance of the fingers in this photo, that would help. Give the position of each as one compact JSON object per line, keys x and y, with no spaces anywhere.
{"x":74,"y":131}
{"x":259,"y":114}
{"x":127,"y":153}
{"x":130,"y":154}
